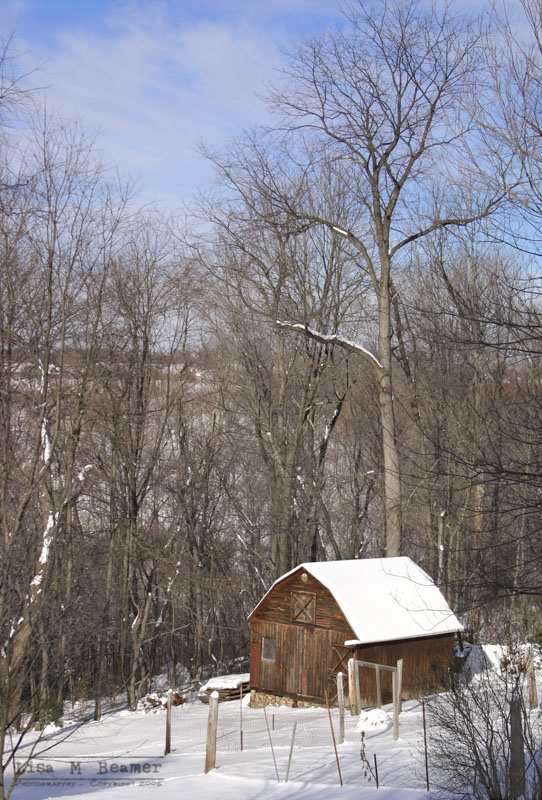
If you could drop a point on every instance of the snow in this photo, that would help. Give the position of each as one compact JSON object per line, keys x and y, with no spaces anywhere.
{"x":121,"y":756}
{"x":45,"y":442}
{"x":99,"y":761}
{"x":82,"y":473}
{"x":331,"y":339}
{"x":44,"y":554}
{"x":226,"y":682}
{"x":383,"y":599}
{"x":498,"y":658}
{"x":373,"y":719}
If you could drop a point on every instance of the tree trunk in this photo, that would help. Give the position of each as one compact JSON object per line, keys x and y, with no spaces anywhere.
{"x":390,"y":453}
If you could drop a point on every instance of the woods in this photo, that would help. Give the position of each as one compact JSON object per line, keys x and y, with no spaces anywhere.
{"x":334,"y":354}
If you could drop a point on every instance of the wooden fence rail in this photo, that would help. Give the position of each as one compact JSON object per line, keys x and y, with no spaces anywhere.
{"x":354,"y":692}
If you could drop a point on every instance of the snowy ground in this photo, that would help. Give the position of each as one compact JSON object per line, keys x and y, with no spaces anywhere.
{"x":121,"y":757}
{"x":100,"y":759}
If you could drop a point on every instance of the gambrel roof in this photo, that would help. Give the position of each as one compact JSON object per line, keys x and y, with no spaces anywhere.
{"x":383,"y":599}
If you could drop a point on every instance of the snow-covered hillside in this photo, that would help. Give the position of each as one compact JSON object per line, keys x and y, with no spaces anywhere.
{"x":122,"y":755}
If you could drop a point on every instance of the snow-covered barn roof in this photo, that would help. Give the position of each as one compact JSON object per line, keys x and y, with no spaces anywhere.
{"x":383,"y":599}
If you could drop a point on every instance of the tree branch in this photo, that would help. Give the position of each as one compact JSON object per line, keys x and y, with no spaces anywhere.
{"x":323,"y":338}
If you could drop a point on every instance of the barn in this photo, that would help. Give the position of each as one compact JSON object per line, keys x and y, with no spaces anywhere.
{"x":320,"y":614}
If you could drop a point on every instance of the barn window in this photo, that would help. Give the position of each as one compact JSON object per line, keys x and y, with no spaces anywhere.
{"x":304,"y":608}
{"x":269,"y":647}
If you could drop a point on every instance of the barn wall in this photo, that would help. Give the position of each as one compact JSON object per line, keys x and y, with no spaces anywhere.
{"x":276,"y":607}
{"x":304,"y":656}
{"x":426,"y":663}
{"x":303,"y":662}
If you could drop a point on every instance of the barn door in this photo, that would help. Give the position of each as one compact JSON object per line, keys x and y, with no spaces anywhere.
{"x":299,"y":672}
{"x":294,"y":661}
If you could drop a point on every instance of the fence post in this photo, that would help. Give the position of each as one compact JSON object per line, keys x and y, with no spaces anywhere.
{"x":378,"y":687}
{"x":291,"y":751}
{"x":212,"y":725}
{"x":340,"y":698}
{"x":425,"y":746}
{"x":400,"y":683}
{"x":333,"y":738}
{"x":531,"y":681}
{"x":241,"y":715}
{"x":395,"y":705}
{"x":271,"y":744}
{"x":167,"y":748}
{"x":351,"y":687}
{"x":358,"y":689}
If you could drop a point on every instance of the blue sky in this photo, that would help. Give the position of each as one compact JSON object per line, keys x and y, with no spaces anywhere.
{"x":156,"y":77}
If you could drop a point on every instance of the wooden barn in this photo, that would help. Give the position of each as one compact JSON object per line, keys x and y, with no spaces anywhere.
{"x":319,"y":615}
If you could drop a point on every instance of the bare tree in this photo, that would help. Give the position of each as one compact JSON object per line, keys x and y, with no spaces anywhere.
{"x":469,"y":424}
{"x":484,"y":742}
{"x":147,"y":312}
{"x":509,"y":109}
{"x":384,"y":101}
{"x":58,"y":217}
{"x":285,"y":395}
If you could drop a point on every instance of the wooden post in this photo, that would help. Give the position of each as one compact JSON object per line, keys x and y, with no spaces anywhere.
{"x":358,"y":689}
{"x":376,"y":771}
{"x":425,"y":746}
{"x":351,"y":687}
{"x":531,"y":681}
{"x":167,"y":748}
{"x":395,"y":705}
{"x":241,"y":715}
{"x":378,"y":687}
{"x":212,"y":726}
{"x":333,"y":737}
{"x":271,"y":744}
{"x":291,"y":751}
{"x":400,"y":683}
{"x":340,"y":699}
{"x":517,"y":754}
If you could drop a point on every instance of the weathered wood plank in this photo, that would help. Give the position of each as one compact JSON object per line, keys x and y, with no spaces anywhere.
{"x":277,"y":607}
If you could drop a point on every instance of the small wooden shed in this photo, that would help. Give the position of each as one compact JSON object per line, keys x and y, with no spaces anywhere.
{"x":319,"y":615}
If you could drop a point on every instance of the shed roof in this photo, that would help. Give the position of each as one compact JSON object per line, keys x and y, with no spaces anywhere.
{"x":383,"y":599}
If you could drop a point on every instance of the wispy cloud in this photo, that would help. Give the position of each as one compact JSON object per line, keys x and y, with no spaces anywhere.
{"x":11,"y":12}
{"x":156,"y":78}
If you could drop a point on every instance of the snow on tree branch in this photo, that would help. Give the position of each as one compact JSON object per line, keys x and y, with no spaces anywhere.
{"x":324,"y":338}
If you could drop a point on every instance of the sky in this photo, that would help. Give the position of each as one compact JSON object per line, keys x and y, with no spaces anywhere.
{"x":155,"y":78}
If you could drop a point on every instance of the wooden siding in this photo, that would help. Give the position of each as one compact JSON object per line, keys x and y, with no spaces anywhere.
{"x":426,"y":663}
{"x":277,"y":606}
{"x":303,"y":663}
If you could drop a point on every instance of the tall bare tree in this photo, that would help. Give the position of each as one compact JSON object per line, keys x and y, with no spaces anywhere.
{"x":385,"y":101}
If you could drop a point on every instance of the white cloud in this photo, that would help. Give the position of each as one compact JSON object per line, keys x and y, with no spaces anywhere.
{"x":156,"y":77}
{"x":11,"y":11}
{"x":155,"y":86}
